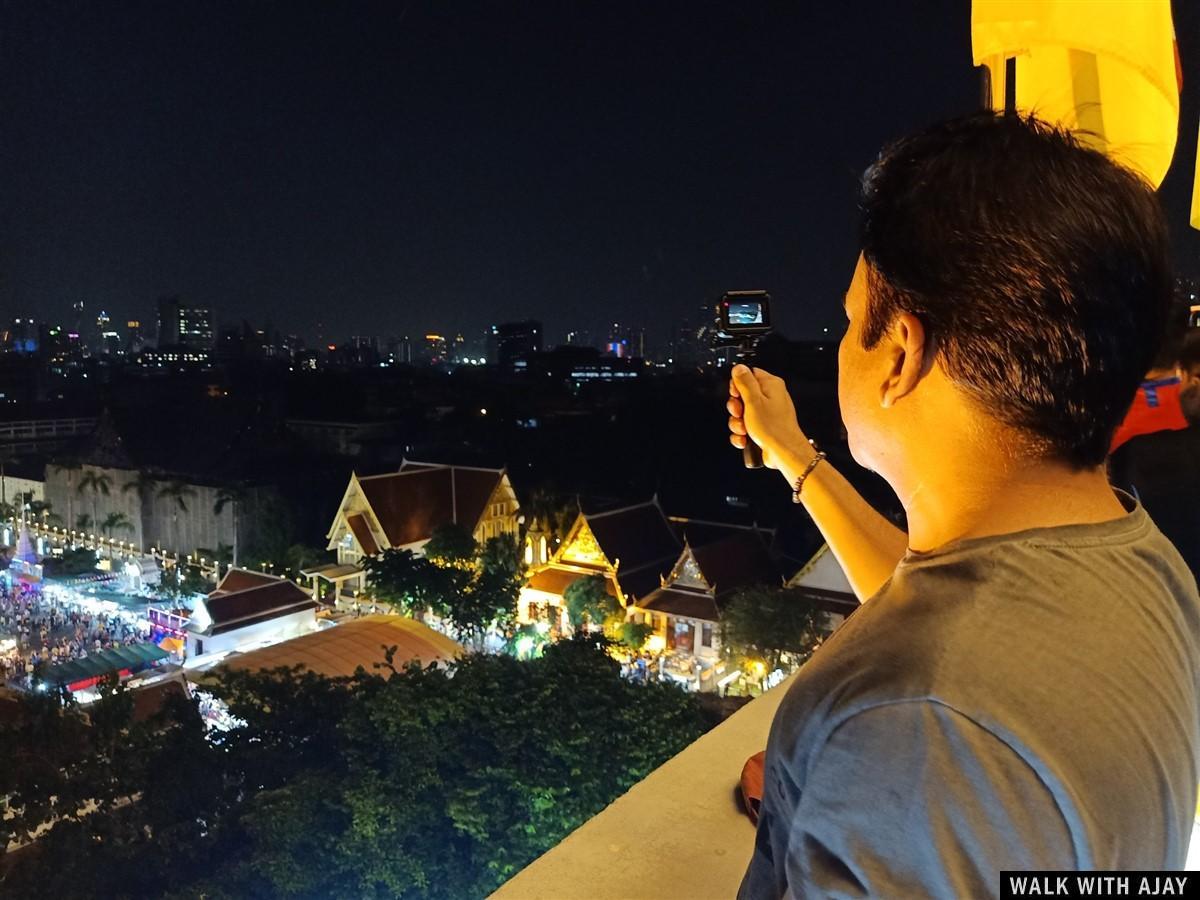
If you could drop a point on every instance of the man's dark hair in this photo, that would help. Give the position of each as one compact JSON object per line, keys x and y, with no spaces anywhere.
{"x":1038,"y":266}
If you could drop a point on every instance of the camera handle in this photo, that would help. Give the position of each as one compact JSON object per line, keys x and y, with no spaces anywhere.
{"x":751,"y":453}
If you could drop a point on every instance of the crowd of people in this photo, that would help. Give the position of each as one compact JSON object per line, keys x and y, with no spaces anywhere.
{"x":50,"y":628}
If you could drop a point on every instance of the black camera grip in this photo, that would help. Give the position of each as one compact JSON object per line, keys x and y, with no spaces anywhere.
{"x":752,"y":455}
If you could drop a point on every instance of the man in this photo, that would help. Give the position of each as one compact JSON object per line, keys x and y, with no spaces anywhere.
{"x":1189,"y":376}
{"x":1020,"y":689}
{"x":1156,"y":405}
{"x":1162,"y":468}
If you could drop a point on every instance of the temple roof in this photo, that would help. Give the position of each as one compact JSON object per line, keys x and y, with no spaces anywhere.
{"x":362,"y":533}
{"x":699,"y":532}
{"x":229,"y":610}
{"x":689,"y":604}
{"x":736,"y":561}
{"x":636,"y":535}
{"x":236,"y":579}
{"x":838,"y":602}
{"x":411,"y":503}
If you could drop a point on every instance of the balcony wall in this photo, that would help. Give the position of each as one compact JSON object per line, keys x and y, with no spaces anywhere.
{"x":677,"y":834}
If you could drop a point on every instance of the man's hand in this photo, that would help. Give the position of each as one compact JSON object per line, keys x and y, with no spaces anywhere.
{"x":760,"y":407}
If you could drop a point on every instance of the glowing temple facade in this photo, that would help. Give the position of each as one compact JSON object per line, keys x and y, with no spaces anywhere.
{"x":400,"y":511}
{"x":630,"y":548}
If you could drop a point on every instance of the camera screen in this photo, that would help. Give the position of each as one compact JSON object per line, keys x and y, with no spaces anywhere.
{"x":746,"y":313}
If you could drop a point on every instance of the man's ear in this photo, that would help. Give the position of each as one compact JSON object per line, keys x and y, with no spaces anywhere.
{"x":911,"y":355}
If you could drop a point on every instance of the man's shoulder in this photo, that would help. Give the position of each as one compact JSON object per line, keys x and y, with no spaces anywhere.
{"x":879,"y":657}
{"x":986,"y":637}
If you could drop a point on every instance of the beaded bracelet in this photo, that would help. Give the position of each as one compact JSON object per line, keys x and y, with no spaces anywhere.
{"x":804,"y":475}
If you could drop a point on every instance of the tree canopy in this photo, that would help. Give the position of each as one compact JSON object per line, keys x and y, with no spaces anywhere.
{"x":451,"y":545}
{"x":182,"y":581}
{"x":74,"y":561}
{"x":764,"y":623}
{"x":414,"y":584}
{"x":474,"y":593}
{"x":588,"y":602}
{"x":410,"y":783}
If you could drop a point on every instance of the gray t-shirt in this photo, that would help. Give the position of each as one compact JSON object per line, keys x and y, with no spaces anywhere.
{"x":1024,"y":701}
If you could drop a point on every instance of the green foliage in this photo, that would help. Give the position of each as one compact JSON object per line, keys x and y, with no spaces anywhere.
{"x":169,"y":584}
{"x":451,"y":545}
{"x":280,"y":542}
{"x":193,"y":581}
{"x":222,"y":555}
{"x":499,"y":763}
{"x":418,"y":783}
{"x":83,"y":522}
{"x":302,"y":556}
{"x":115,"y":521}
{"x":526,"y":641}
{"x":474,"y":595}
{"x":588,"y":602}
{"x":39,"y":509}
{"x":80,"y":769}
{"x":413,"y":583}
{"x":552,"y":512}
{"x":492,"y":597}
{"x":182,"y":581}
{"x":634,"y":634}
{"x":80,"y":561}
{"x":763,"y":623}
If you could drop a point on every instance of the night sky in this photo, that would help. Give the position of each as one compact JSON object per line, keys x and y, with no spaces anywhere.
{"x":389,"y":168}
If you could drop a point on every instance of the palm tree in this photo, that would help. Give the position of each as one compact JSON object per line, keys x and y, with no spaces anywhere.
{"x":233,"y":496}
{"x":97,"y":483}
{"x":176,"y":492}
{"x":222,"y":556}
{"x":115,"y":521}
{"x":146,"y":484}
{"x":83,"y":522}
{"x":554,"y":512}
{"x":6,"y":456}
{"x":301,"y":556}
{"x":42,"y":510}
{"x":68,"y":466}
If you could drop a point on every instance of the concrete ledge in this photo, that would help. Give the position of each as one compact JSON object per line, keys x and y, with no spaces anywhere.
{"x":677,"y":834}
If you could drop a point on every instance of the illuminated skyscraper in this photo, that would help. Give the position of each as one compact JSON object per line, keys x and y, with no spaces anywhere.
{"x":180,"y":324}
{"x":515,"y":340}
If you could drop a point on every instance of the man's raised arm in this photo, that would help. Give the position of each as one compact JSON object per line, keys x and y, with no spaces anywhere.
{"x":866,"y":544}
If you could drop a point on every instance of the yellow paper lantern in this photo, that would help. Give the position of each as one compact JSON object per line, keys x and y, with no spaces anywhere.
{"x":1107,"y":69}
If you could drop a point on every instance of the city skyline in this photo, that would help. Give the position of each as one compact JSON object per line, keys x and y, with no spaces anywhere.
{"x":384,"y":170}
{"x":97,"y":330}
